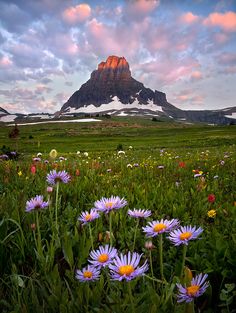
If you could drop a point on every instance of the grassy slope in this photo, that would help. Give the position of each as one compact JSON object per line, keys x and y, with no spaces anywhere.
{"x":106,"y":135}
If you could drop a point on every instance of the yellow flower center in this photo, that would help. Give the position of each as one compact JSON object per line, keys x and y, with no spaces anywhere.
{"x":103,"y":258}
{"x":185,"y":235}
{"x":87,"y":274}
{"x":88,"y":217}
{"x":159,"y":227}
{"x":192,"y":290}
{"x":109,"y":205}
{"x":126,"y":270}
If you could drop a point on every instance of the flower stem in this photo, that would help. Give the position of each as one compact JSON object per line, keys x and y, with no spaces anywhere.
{"x":161,"y":256}
{"x":110,"y":227}
{"x":135,"y":233}
{"x":189,"y":307}
{"x":131,"y":297}
{"x":39,"y":242}
{"x":183,"y":261}
{"x":91,"y":236}
{"x":151,"y":267}
{"x":56,"y":211}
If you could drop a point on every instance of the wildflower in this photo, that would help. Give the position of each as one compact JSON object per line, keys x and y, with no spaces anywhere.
{"x":182,"y":164}
{"x":121,"y":152}
{"x":126,"y":267}
{"x":61,"y":158}
{"x":139,"y":213}
{"x":19,"y":173}
{"x":108,"y":204}
{"x":39,"y":154}
{"x":160,"y":167}
{"x":184,"y":235}
{"x":33,"y":169}
{"x":53,"y":153}
{"x":129,"y":166}
{"x":87,"y":217}
{"x":130,"y":147}
{"x":4,"y":157}
{"x":58,"y":177}
{"x":211,"y":213}
{"x":36,"y":203}
{"x":36,"y":159}
{"x":89,"y":273}
{"x":86,"y":154}
{"x":135,"y":165}
{"x":33,"y":226}
{"x":197,"y":287}
{"x":78,"y":152}
{"x":149,"y":245}
{"x":109,"y":170}
{"x":103,"y":256}
{"x":155,"y":228}
{"x":211,"y":198}
{"x":46,"y":161}
{"x":49,"y":189}
{"x":77,"y":172}
{"x":222,"y":162}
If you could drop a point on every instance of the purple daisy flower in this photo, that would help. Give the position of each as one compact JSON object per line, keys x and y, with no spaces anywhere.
{"x":36,"y":203}
{"x":108,"y":204}
{"x":196,"y":289}
{"x":155,"y":228}
{"x":58,"y":177}
{"x":87,"y":217}
{"x":139,"y":213}
{"x":89,"y":273}
{"x":184,"y":234}
{"x":126,"y":267}
{"x":103,"y":256}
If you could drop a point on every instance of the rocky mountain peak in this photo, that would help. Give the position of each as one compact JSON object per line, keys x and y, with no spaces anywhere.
{"x":115,"y":68}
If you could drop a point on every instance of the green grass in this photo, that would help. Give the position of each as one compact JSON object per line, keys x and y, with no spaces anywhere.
{"x":38,"y":264}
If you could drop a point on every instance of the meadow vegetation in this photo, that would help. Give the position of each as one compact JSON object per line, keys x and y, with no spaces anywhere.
{"x":176,"y":171}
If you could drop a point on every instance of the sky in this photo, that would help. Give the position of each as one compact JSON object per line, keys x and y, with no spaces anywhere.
{"x":185,"y":48}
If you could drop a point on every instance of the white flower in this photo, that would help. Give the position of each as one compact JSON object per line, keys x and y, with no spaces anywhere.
{"x":129,"y":166}
{"x":121,"y":152}
{"x":39,"y":154}
{"x":85,"y":154}
{"x":78,"y":152}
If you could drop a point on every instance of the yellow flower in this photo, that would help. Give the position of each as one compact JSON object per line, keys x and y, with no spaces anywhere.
{"x":211,"y":213}
{"x":19,"y":173}
{"x":53,"y":153}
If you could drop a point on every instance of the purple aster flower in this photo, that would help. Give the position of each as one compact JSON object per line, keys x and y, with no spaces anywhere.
{"x":87,"y":217}
{"x":37,"y":159}
{"x":184,"y":234}
{"x":126,"y":266}
{"x":58,"y":177}
{"x":89,"y":273}
{"x":139,"y":213}
{"x":108,"y":204}
{"x":36,"y":203}
{"x":196,"y":289}
{"x":4,"y":157}
{"x":155,"y":228}
{"x":103,"y":256}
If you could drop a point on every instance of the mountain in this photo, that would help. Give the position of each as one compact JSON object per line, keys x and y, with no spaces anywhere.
{"x":3,"y":111}
{"x":111,"y":89}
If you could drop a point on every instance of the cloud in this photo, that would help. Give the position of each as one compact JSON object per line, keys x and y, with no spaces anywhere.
{"x":196,"y":75}
{"x":77,"y":14}
{"x":226,"y":21}
{"x":189,"y":18}
{"x":227,"y":58}
{"x":188,"y":96}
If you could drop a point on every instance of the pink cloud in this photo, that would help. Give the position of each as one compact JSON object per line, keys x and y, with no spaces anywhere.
{"x":226,"y":21}
{"x":221,"y":38}
{"x":144,"y":6}
{"x":5,"y":62}
{"x":189,"y":18}
{"x":227,"y":58}
{"x":188,"y":96}
{"x":77,"y":14}
{"x":196,"y":75}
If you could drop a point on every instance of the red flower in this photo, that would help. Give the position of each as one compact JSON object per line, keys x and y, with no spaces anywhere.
{"x":77,"y":172}
{"x":182,"y":164}
{"x":33,"y":169}
{"x":211,"y":198}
